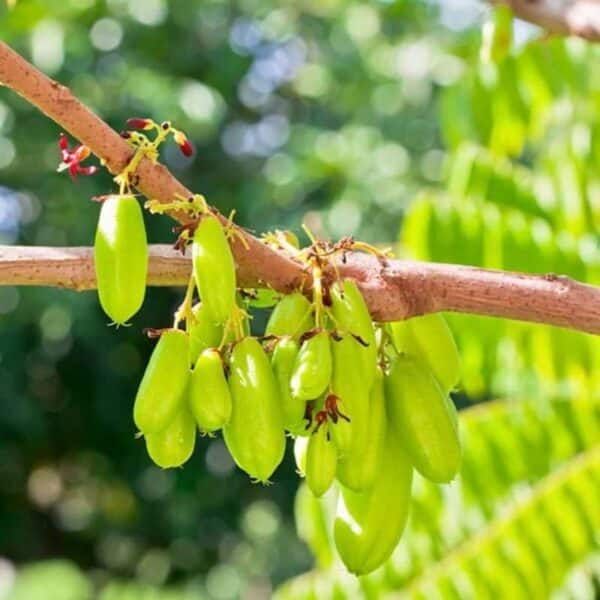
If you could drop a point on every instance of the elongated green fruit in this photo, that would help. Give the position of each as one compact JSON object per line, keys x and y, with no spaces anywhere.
{"x":283,"y":361}
{"x":358,"y":470}
{"x":321,"y":461}
{"x":292,"y":316}
{"x":429,"y":339}
{"x":352,"y":315}
{"x":214,"y":268}
{"x":174,"y":445}
{"x":254,"y":434}
{"x":368,"y":525}
{"x":161,"y":392}
{"x":204,"y":332}
{"x":121,"y":257}
{"x":312,"y":371}
{"x":300,"y":448}
{"x":422,"y":416}
{"x":208,"y":392}
{"x":349,"y":385}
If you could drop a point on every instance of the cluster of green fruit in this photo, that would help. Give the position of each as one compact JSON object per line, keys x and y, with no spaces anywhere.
{"x":366,"y":402}
{"x":403,"y":419}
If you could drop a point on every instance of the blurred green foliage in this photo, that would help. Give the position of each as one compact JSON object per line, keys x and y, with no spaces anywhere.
{"x":337,"y":112}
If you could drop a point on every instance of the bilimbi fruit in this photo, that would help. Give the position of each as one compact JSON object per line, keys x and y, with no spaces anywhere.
{"x":422,"y":416}
{"x":368,"y":525}
{"x":292,"y":316}
{"x":358,"y":471}
{"x":161,"y":393}
{"x":312,"y":369}
{"x":121,"y":257}
{"x":429,"y":338}
{"x":254,"y":435}
{"x":283,"y":362}
{"x":173,"y":446}
{"x":321,"y":460}
{"x":214,"y":268}
{"x":208,"y":392}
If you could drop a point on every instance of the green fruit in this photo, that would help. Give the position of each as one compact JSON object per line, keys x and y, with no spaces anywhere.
{"x":358,"y":470}
{"x":312,"y":370}
{"x":422,"y":416}
{"x":174,"y":445}
{"x":214,"y":268}
{"x":300,"y":448}
{"x":121,"y":257}
{"x":204,"y":332}
{"x":368,"y":525}
{"x":351,"y":315}
{"x":161,"y":392}
{"x":292,"y":316}
{"x":283,"y":361}
{"x":321,"y":460}
{"x":349,"y":385}
{"x":429,"y":339}
{"x":254,"y":434}
{"x":208,"y":392}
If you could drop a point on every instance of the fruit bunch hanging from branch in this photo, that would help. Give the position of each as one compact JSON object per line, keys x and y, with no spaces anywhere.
{"x":366,"y":402}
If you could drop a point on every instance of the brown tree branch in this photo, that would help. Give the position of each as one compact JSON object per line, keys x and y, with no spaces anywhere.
{"x":394,"y":289}
{"x":562,"y":17}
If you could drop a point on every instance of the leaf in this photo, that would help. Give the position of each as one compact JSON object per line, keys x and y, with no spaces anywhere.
{"x":550,"y":521}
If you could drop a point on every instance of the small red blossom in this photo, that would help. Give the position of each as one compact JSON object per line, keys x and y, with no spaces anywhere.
{"x":139,"y":123}
{"x":184,"y":144}
{"x":72,"y":159}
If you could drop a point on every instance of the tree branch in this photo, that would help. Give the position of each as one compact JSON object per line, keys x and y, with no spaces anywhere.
{"x":393,"y":289}
{"x":562,"y":17}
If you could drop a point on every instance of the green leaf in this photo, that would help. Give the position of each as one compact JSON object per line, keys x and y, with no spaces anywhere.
{"x":550,"y":521}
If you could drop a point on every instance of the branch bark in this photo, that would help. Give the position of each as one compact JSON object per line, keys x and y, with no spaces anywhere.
{"x":394,"y":290}
{"x":562,"y":17}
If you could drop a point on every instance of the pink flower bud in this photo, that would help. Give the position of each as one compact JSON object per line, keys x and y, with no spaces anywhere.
{"x":184,"y":144}
{"x":139,"y":123}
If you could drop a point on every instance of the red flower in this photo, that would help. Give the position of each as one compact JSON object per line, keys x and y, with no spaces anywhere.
{"x":71,"y":159}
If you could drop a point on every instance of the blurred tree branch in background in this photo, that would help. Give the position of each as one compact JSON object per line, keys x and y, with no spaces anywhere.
{"x":562,"y":17}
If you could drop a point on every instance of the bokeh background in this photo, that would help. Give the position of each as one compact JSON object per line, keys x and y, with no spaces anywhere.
{"x":358,"y":118}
